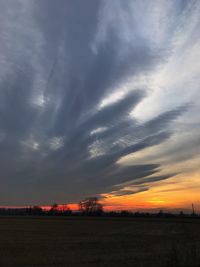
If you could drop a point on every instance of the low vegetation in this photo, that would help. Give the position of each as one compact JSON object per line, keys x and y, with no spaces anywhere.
{"x":99,"y":241}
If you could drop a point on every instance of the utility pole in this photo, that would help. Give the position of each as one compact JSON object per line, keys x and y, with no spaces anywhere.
{"x":193,"y":210}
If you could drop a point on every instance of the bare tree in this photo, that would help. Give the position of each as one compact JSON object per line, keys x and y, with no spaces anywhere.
{"x":65,"y":209}
{"x":54,"y":209}
{"x":91,"y":206}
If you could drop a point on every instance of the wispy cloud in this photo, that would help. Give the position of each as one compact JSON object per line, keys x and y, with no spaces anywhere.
{"x":93,"y":96}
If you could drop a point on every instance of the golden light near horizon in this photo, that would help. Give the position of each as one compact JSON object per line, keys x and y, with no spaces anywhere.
{"x":157,"y":201}
{"x":175,"y":194}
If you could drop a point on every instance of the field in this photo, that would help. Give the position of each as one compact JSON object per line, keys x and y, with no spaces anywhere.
{"x":81,"y":241}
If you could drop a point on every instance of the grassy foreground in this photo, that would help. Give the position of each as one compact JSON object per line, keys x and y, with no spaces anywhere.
{"x":81,"y":241}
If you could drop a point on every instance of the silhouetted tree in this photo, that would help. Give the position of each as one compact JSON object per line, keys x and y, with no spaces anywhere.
{"x":35,"y":210}
{"x":54,"y":209}
{"x":181,"y":214}
{"x":54,"y":206}
{"x":160,"y":213}
{"x":91,"y":206}
{"x":65,"y":209}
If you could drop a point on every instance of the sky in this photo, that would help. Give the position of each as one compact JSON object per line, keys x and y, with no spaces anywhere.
{"x":100,"y":98}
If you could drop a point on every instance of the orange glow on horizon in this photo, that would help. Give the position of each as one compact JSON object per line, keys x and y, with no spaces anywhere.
{"x":71,"y":206}
{"x":174,"y":194}
{"x":162,"y":196}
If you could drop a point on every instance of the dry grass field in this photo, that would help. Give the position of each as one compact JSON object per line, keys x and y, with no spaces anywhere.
{"x":81,"y":241}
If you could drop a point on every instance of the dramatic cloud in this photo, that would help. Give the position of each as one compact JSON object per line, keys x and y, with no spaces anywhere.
{"x":96,"y":97}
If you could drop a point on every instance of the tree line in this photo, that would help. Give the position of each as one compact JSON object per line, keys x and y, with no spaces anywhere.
{"x":90,"y":206}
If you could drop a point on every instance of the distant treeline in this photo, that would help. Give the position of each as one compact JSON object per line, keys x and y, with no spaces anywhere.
{"x":33,"y":211}
{"x":88,"y":207}
{"x":37,"y":211}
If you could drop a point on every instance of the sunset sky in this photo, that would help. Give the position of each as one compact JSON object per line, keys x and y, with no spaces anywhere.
{"x":100,"y":98}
